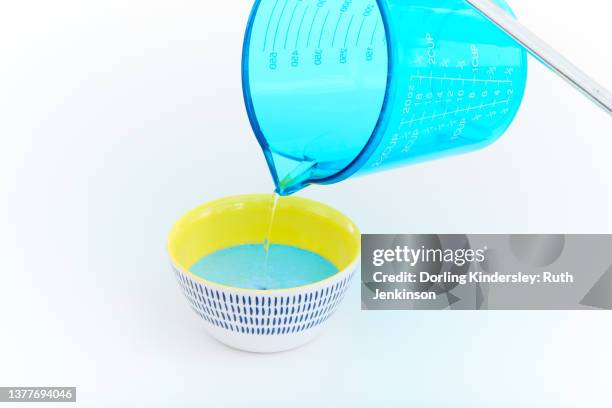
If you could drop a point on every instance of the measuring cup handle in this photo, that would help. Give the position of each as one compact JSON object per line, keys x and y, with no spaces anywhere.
{"x":545,"y":54}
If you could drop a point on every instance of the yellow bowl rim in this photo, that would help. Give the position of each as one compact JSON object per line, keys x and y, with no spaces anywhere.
{"x":236,"y":198}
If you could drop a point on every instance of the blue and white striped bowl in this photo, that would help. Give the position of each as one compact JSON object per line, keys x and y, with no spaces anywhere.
{"x":264,"y":320}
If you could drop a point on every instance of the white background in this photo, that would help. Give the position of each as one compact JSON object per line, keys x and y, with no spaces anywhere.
{"x":118,"y":116}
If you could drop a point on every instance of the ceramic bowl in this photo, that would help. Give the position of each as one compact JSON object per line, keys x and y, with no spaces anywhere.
{"x":264,"y":320}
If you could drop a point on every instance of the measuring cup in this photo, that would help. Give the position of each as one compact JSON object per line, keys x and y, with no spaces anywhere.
{"x":335,"y":88}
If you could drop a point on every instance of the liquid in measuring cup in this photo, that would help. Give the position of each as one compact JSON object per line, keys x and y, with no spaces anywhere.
{"x":337,"y":88}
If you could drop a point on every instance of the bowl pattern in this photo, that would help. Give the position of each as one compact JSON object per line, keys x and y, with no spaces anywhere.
{"x":262,"y":313}
{"x":254,"y":320}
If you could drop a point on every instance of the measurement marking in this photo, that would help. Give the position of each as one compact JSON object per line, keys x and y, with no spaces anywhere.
{"x":373,"y":33}
{"x":269,"y":22}
{"x":311,"y":26}
{"x":348,"y":30}
{"x":359,"y":32}
{"x":289,"y":25}
{"x":278,"y":25}
{"x":468,"y":109}
{"x":336,"y":29}
{"x":458,"y":79}
{"x":323,"y":29}
{"x":297,"y":37}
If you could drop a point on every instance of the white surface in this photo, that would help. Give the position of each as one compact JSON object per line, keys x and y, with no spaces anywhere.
{"x":118,"y":116}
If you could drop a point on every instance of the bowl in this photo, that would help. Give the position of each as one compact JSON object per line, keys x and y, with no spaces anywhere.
{"x":264,"y":320}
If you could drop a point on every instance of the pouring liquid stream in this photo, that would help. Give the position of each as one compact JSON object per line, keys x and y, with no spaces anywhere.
{"x":267,"y":241}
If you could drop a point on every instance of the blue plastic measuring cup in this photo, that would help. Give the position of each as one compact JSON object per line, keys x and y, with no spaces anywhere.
{"x":335,"y":88}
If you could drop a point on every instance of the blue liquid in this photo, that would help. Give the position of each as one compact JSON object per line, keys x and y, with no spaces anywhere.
{"x":246,"y":267}
{"x":335,"y":88}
